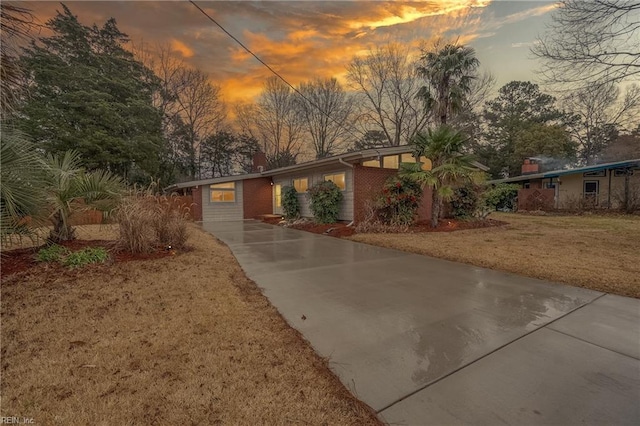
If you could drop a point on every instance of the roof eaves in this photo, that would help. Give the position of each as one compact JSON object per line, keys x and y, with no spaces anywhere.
{"x":223,"y":179}
{"x":556,"y":173}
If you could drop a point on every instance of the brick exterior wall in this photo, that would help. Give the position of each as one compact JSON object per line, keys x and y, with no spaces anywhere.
{"x":536,"y":199}
{"x":367,"y":184}
{"x":196,"y":207}
{"x":257,"y":197}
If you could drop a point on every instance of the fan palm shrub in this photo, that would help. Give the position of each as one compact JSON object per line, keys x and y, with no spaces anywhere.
{"x":22,"y":183}
{"x":70,"y":188}
{"x":450,"y":167}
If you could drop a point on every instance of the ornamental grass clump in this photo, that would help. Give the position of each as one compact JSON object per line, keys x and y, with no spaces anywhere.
{"x":148,"y":222}
{"x":325,"y":202}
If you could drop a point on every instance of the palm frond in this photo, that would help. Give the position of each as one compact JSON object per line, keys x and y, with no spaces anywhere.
{"x":71,"y":188}
{"x":21,"y":181}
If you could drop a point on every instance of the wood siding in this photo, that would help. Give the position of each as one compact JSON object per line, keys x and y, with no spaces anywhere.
{"x":315,"y":176}
{"x":218,"y":212}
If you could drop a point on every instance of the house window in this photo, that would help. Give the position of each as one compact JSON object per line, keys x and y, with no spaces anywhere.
{"x":591,"y":188}
{"x":301,"y":185}
{"x":551,"y":184}
{"x":371,"y":163}
{"x":338,"y":179}
{"x":390,"y":162}
{"x":407,"y":158}
{"x":223,"y":192}
{"x":526,"y":185}
{"x":598,"y":173}
{"x":277,"y":195}
{"x":622,"y":172}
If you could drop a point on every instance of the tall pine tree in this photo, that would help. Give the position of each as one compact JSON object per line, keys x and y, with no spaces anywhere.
{"x":89,"y":94}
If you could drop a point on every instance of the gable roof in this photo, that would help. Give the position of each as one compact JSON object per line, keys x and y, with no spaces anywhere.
{"x":556,"y":173}
{"x":349,"y":157}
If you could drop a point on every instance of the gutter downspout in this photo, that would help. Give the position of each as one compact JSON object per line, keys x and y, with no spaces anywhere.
{"x":610,"y":171}
{"x":341,"y":161}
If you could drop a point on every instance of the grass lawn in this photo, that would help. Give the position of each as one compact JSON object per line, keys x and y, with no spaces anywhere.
{"x":597,"y":252}
{"x":184,"y":339}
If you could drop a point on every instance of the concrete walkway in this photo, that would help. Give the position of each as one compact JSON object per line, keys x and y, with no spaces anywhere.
{"x":428,"y":341}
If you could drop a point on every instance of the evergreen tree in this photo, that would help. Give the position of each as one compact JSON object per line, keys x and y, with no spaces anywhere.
{"x":520,"y":114}
{"x":87,"y":93}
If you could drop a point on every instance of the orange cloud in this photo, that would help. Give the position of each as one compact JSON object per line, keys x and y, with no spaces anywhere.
{"x":300,"y":40}
{"x":180,"y":47}
{"x":411,"y":13}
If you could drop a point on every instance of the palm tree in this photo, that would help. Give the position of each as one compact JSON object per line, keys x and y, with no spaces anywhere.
{"x":15,"y":25}
{"x":70,"y":189}
{"x":443,"y":146}
{"x":22,"y":183}
{"x":449,"y":72}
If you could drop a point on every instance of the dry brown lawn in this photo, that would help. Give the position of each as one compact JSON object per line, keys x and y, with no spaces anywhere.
{"x":186,"y":339}
{"x":597,"y":252}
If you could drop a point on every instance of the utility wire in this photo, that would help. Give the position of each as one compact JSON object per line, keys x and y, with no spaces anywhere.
{"x":272,"y":70}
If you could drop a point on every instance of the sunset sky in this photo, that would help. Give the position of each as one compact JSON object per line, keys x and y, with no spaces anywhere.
{"x":307,"y":39}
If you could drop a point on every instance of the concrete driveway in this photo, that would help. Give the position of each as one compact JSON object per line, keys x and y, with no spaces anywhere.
{"x":428,"y":341}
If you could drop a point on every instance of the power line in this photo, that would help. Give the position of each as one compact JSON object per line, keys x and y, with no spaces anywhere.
{"x":271,"y":69}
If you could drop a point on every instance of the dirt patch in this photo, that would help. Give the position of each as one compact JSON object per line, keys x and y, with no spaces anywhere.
{"x":185,"y":339}
{"x":595,"y":252}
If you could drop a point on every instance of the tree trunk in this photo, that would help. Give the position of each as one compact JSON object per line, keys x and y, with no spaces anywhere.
{"x":61,"y":231}
{"x":435,"y":208}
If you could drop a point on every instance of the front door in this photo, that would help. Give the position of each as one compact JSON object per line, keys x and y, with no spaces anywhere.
{"x":277,"y":199}
{"x":591,"y":190}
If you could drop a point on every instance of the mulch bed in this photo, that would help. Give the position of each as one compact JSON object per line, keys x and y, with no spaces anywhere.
{"x":20,"y":260}
{"x":341,"y":229}
{"x":332,"y":229}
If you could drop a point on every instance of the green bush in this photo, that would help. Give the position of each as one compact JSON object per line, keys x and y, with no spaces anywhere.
{"x":53,"y":253}
{"x":290,"y":203}
{"x":466,"y":201}
{"x":325,"y":202}
{"x":502,"y":196}
{"x":86,"y":256}
{"x":399,"y":202}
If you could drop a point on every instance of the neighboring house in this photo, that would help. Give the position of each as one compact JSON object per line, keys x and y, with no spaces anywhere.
{"x":599,"y":186}
{"x":360,"y":175}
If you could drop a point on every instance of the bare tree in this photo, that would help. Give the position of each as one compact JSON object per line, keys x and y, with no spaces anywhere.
{"x":201,"y":110}
{"x":591,"y":42}
{"x":325,"y":109}
{"x":480,"y":90}
{"x":274,"y":122}
{"x":469,"y":117}
{"x":247,"y":121}
{"x":600,"y":112}
{"x":192,"y":107}
{"x":387,"y":85}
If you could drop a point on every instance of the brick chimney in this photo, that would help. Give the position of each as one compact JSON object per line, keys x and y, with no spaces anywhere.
{"x":259,"y":162}
{"x":530,"y":166}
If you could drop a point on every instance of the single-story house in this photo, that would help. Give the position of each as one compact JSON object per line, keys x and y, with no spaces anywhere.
{"x":604,"y":185}
{"x":360,"y":175}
